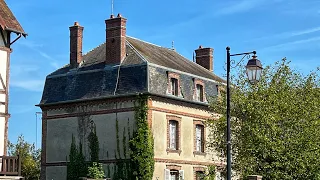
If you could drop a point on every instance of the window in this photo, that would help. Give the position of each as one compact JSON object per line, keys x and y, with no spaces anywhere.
{"x":173,"y":134}
{"x":174,"y":174}
{"x":199,"y":138}
{"x":200,"y":175}
{"x":199,"y":92}
{"x":174,"y":86}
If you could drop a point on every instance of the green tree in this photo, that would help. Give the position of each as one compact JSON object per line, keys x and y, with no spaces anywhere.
{"x":93,"y":145}
{"x":30,"y":158}
{"x":95,"y":169}
{"x":275,"y":124}
{"x":76,"y":166}
{"x":141,"y":145}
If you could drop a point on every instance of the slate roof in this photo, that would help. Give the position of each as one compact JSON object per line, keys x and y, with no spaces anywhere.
{"x":169,"y":58}
{"x":94,"y":79}
{"x":8,"y":21}
{"x":153,"y":54}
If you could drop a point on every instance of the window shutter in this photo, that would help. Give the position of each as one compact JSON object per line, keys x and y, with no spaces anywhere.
{"x":166,"y":174}
{"x":181,"y":175}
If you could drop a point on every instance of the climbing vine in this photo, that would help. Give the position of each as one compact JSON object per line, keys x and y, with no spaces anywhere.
{"x":141,"y":144}
{"x":137,"y":163}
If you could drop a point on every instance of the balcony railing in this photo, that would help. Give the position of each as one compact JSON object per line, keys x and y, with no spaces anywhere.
{"x":10,"y":166}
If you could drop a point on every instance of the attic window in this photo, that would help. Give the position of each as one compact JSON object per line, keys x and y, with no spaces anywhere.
{"x":173,"y":84}
{"x":199,"y":91}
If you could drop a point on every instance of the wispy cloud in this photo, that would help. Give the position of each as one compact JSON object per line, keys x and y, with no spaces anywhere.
{"x":290,"y":45}
{"x":288,"y":34}
{"x":36,"y":47}
{"x":31,"y":85}
{"x":26,"y":76}
{"x":239,"y":6}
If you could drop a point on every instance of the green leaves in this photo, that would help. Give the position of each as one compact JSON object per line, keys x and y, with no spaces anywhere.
{"x":95,"y":171}
{"x":76,"y":167}
{"x":141,"y":145}
{"x":30,"y":157}
{"x":276,"y":124}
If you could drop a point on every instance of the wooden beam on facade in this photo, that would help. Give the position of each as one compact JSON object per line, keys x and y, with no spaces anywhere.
{"x":2,"y":82}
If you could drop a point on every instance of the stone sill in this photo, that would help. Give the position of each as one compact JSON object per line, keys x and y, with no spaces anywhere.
{"x":174,"y":151}
{"x":199,"y":153}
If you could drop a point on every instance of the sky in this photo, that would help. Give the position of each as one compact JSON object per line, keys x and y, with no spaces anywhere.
{"x":274,"y":28}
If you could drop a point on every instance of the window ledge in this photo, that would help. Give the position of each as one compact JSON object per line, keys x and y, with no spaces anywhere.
{"x":199,"y":153}
{"x":174,"y":151}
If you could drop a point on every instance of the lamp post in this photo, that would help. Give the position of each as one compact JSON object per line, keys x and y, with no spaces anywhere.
{"x":253,"y":71}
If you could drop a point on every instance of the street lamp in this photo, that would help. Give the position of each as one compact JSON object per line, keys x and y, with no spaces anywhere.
{"x":253,"y":70}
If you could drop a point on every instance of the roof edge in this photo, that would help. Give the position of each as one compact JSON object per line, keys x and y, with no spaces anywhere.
{"x":120,"y":96}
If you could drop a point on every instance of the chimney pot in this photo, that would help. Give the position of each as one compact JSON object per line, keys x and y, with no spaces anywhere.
{"x":200,"y":47}
{"x":76,"y":24}
{"x":111,"y":16}
{"x":119,"y":15}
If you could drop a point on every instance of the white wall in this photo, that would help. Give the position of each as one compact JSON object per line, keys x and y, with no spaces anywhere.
{"x":3,"y":73}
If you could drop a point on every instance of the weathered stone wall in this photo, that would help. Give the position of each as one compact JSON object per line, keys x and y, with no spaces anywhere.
{"x":64,"y":122}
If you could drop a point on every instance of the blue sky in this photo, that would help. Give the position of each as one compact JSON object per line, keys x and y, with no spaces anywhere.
{"x":274,"y":28}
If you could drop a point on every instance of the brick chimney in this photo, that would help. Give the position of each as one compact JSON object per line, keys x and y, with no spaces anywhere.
{"x":115,"y":39}
{"x":204,"y":57}
{"x":76,"y":32}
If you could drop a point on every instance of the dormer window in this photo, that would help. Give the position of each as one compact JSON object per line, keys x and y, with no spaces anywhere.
{"x":199,"y":91}
{"x":174,"y":86}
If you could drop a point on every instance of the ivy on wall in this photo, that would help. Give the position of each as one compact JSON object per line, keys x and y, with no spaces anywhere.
{"x":137,"y":163}
{"x":141,"y":144}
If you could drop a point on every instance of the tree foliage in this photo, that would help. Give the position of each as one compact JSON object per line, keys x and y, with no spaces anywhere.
{"x":93,"y":145}
{"x":141,"y":145}
{"x":30,"y":158}
{"x":95,"y":169}
{"x":76,"y":166}
{"x":275,"y":124}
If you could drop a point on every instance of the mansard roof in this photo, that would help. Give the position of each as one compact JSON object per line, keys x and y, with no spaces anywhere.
{"x":95,"y":80}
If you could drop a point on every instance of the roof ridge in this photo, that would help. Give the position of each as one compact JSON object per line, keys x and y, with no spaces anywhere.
{"x":145,"y":41}
{"x":136,"y":51}
{"x":169,"y":49}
